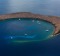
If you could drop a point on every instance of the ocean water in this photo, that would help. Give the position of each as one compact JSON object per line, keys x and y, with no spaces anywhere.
{"x":49,"y":47}
{"x":45,"y":7}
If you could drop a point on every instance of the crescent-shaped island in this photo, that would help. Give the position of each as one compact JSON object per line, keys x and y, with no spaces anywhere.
{"x":12,"y":28}
{"x":51,"y":19}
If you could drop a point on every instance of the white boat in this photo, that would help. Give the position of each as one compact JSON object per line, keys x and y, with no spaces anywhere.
{"x":11,"y":37}
{"x":38,"y":21}
{"x":47,"y":30}
{"x":19,"y":19}
{"x":25,"y":34}
{"x":32,"y":20}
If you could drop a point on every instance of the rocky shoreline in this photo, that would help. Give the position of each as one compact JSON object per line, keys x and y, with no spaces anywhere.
{"x":51,"y":19}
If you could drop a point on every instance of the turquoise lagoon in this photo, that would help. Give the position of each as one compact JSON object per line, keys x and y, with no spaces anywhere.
{"x":22,"y":30}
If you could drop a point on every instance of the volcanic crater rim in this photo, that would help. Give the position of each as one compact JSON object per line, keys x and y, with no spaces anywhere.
{"x":51,"y":19}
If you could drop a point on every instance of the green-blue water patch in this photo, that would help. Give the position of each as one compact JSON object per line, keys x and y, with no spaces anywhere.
{"x":25,"y":30}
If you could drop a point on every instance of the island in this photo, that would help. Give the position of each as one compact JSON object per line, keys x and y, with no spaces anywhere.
{"x":51,"y":19}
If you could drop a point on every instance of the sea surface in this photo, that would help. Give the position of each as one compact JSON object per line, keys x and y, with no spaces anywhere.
{"x":44,"y":7}
{"x":48,"y":47}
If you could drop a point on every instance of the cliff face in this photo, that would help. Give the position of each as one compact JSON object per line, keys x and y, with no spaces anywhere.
{"x":52,"y":19}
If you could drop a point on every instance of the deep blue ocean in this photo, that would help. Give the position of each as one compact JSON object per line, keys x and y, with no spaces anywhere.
{"x":48,"y":47}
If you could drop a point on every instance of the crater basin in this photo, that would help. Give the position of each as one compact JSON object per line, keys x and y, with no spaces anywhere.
{"x":25,"y":30}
